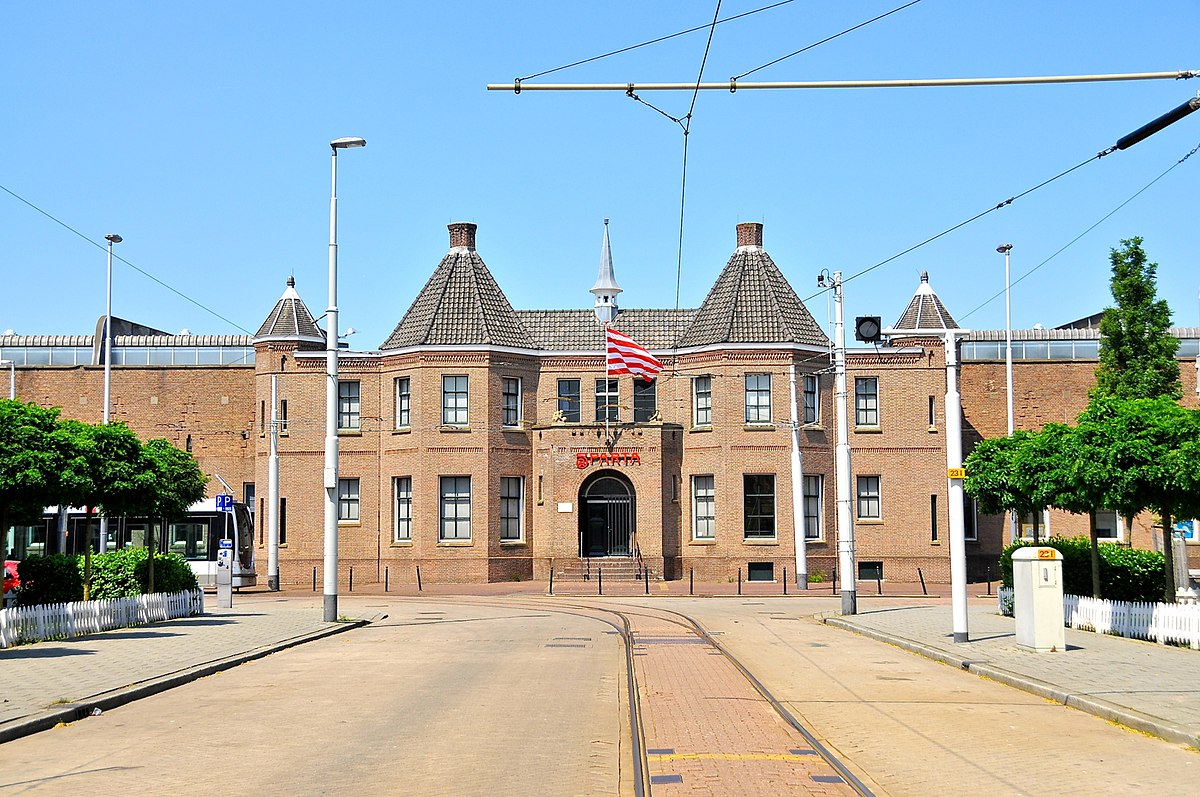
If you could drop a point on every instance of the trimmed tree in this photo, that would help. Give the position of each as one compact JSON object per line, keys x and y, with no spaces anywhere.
{"x":178,"y":483}
{"x":29,"y":463}
{"x":1002,"y":477}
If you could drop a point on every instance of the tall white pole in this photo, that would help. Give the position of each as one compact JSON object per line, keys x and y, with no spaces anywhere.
{"x":958,"y":552}
{"x":1008,"y":366}
{"x":273,"y":492}
{"x":331,"y":396}
{"x":845,"y":518}
{"x":798,"y":519}
{"x":112,"y":238}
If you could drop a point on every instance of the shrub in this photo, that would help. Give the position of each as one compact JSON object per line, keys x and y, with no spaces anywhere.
{"x":50,"y":579}
{"x":1126,"y":574}
{"x":817,"y":576}
{"x":126,"y":573}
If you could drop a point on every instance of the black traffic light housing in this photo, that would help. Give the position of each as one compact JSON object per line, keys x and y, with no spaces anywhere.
{"x":867,"y":328}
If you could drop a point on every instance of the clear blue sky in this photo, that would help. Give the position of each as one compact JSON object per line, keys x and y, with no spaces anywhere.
{"x":200,"y":132}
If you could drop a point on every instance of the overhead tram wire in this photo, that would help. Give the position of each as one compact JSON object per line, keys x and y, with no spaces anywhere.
{"x":652,"y":41}
{"x":144,"y":273}
{"x":1074,"y":240}
{"x":823,"y":41}
{"x":1125,"y":142}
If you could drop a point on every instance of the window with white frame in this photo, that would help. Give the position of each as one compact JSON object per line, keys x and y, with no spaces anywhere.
{"x":454,"y":510}
{"x":645,"y":400}
{"x":758,"y":398}
{"x":702,"y":401}
{"x":348,"y":405}
{"x":868,"y":498}
{"x":970,"y":518}
{"x":704,"y":508}
{"x":1108,"y":525}
{"x":454,"y":400}
{"x":348,"y":500}
{"x":1026,"y":524}
{"x":402,"y":509}
{"x":512,"y":503}
{"x":568,"y":400}
{"x":866,"y":401}
{"x":814,"y":499}
{"x":812,"y":398}
{"x":510,"y":401}
{"x":607,"y":395}
{"x":403,"y":402}
{"x":758,"y":505}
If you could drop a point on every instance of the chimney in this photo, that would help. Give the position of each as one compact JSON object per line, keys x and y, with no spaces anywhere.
{"x":462,"y":234}
{"x":749,"y":234}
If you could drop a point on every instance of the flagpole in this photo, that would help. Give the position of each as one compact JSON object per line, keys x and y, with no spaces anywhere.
{"x":607,"y":395}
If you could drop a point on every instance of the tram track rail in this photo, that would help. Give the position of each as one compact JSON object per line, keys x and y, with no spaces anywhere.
{"x":620,"y":617}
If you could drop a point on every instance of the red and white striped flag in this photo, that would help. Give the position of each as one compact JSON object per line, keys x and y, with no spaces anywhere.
{"x":627,"y":357}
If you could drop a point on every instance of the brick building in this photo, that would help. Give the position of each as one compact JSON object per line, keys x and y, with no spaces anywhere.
{"x":484,"y":443}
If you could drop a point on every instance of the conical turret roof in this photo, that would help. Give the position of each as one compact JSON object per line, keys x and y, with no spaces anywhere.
{"x":290,"y":320}
{"x":752,"y":302}
{"x":461,"y":304}
{"x":925,"y":313}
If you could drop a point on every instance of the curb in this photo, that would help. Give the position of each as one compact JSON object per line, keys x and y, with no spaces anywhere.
{"x":44,"y":720}
{"x":1122,"y":715}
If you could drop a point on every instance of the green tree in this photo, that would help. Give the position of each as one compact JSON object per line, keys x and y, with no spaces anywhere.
{"x":29,"y":464}
{"x":1002,"y":476}
{"x":103,"y":468}
{"x":178,"y":483}
{"x":1137,"y":355}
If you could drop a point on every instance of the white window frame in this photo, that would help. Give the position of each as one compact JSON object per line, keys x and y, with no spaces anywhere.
{"x":970,"y":519}
{"x":403,"y":397}
{"x":1043,"y":528}
{"x":1118,"y":526}
{"x":456,"y":399}
{"x":512,"y":509}
{"x":756,"y":407}
{"x":758,"y":536}
{"x":812,"y":399}
{"x":348,"y":501}
{"x":452,"y":497}
{"x":865,"y":495}
{"x":611,"y":404}
{"x":510,"y":401}
{"x":641,"y":390}
{"x":702,"y":400}
{"x":866,"y":403}
{"x":814,"y":507}
{"x":704,"y":507}
{"x":402,"y":517}
{"x":349,"y":405}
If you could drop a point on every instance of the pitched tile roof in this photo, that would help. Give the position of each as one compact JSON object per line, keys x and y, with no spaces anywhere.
{"x":579,"y":330}
{"x":752,"y":302}
{"x":925,"y":311}
{"x":290,"y":319}
{"x":461,"y":304}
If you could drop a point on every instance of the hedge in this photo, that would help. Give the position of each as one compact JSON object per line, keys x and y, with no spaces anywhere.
{"x":1126,"y":574}
{"x":119,"y":574}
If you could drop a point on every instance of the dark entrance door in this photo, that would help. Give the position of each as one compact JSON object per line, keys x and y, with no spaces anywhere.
{"x":606,"y":519}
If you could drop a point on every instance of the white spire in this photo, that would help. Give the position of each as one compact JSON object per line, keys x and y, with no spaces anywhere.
{"x":606,"y":287}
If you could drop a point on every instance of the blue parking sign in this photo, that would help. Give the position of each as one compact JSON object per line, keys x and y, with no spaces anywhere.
{"x":224,"y":503}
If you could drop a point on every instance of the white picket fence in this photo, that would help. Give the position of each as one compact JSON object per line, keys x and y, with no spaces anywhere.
{"x":1165,"y":623}
{"x":59,"y":620}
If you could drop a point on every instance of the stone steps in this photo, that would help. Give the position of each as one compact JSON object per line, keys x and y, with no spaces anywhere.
{"x":622,"y":568}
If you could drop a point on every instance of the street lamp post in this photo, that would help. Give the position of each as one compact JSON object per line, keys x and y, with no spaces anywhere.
{"x":331,"y":397}
{"x":112,"y":238}
{"x":1004,"y":249}
{"x":845,"y":518}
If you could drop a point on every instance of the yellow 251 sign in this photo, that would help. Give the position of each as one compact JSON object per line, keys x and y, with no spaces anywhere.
{"x":956,"y":473}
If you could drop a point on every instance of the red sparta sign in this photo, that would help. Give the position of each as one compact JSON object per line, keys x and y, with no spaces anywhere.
{"x":607,"y":458}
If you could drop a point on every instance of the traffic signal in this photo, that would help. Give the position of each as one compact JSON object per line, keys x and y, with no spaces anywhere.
{"x":867,"y":328}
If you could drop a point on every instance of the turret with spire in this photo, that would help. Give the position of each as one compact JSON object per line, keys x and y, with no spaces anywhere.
{"x":606,"y":287}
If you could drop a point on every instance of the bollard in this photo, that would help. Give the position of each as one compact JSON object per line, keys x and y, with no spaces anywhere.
{"x":314,"y":579}
{"x":691,"y":581}
{"x":739,"y":581}
{"x":989,"y":577}
{"x":921,"y":576}
{"x":551,"y":580}
{"x":385,"y":579}
{"x":351,"y":579}
{"x":418,"y":578}
{"x":599,"y":580}
{"x":785,"y":581}
{"x":646,"y":576}
{"x":878,"y":584}
{"x":833,"y":581}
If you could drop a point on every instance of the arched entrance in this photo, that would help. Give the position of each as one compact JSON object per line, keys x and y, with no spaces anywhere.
{"x":606,"y":517}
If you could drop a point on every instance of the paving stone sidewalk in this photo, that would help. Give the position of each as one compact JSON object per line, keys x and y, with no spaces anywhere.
{"x":1143,"y":685}
{"x":65,"y":680}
